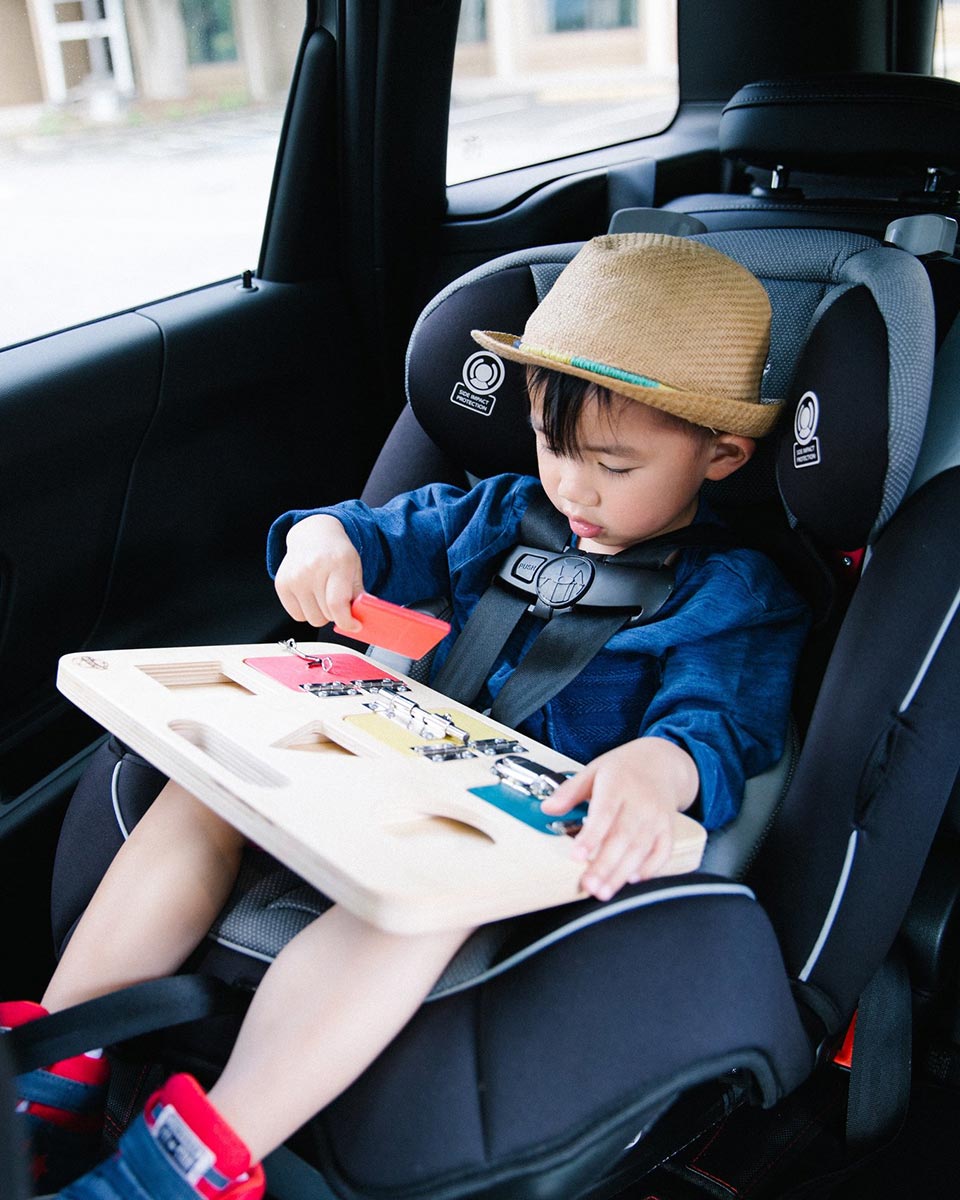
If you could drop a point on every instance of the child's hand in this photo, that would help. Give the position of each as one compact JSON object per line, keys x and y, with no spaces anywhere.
{"x":320,"y":574}
{"x":634,"y":792}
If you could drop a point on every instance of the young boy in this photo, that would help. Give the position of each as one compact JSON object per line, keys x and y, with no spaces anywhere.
{"x":644,"y":365}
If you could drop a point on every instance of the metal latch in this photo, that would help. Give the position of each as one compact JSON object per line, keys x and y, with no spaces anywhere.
{"x":524,"y":775}
{"x":533,"y":779}
{"x":448,"y":753}
{"x":497,"y":745}
{"x":443,"y":752}
{"x":411,"y":716}
{"x":354,"y":687}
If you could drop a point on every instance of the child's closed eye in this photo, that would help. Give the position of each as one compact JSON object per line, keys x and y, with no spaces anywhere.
{"x":615,"y":470}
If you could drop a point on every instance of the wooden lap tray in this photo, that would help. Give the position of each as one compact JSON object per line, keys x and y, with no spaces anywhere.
{"x":334,"y":790}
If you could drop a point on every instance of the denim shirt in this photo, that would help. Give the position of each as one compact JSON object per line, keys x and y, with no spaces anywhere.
{"x":713,"y":673}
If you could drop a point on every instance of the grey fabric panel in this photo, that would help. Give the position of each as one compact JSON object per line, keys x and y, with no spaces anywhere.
{"x":268,"y":906}
{"x":798,"y":267}
{"x":805,"y":271}
{"x":545,"y":275}
{"x":941,"y":442}
{"x":901,"y":289}
{"x":730,"y":851}
{"x":814,"y":254}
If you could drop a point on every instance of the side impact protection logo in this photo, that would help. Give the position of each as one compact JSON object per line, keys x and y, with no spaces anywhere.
{"x":482,"y":374}
{"x":806,"y":449}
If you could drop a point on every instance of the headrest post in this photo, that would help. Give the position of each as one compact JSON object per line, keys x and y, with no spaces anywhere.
{"x":932,"y":183}
{"x":779,"y":177}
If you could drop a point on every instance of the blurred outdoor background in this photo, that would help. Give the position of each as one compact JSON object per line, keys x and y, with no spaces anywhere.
{"x":137,"y":137}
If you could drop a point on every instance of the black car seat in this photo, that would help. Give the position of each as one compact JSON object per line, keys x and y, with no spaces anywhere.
{"x":699,"y":990}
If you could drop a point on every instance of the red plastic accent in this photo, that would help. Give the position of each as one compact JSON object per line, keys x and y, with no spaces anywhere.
{"x":844,"y":1056}
{"x":394,"y":627}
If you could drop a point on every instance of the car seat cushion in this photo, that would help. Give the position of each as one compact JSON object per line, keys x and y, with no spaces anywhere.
{"x":556,"y":1053}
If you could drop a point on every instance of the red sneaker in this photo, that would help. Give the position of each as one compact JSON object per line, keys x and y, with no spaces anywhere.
{"x":63,"y":1105}
{"x":198,"y":1144}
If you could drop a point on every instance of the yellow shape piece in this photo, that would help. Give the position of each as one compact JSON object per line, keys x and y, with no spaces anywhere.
{"x":394,"y":735}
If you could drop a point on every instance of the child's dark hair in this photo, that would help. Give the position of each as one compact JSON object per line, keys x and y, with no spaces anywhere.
{"x":561,"y":398}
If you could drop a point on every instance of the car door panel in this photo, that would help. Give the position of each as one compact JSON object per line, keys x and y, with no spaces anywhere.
{"x":73,"y":410}
{"x":147,"y":456}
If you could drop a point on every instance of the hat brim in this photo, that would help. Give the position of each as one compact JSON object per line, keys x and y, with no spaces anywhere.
{"x":745,"y":417}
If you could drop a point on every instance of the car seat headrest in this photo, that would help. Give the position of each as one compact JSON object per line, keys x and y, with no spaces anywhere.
{"x":852,"y":326}
{"x":858,"y":402}
{"x":471,"y":402}
{"x":857,"y":124}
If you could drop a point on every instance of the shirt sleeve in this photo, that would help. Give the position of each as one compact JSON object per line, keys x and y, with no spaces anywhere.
{"x":725,"y":694}
{"x":407,"y":545}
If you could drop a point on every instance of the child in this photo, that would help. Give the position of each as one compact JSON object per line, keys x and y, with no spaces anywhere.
{"x":644,"y":365}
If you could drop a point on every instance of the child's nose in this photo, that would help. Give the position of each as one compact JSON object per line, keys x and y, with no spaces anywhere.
{"x":576,"y":485}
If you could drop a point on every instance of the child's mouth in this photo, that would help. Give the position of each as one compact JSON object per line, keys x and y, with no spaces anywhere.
{"x":584,"y":529}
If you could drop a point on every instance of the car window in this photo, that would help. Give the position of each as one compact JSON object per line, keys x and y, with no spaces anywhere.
{"x":539,"y":79}
{"x":136,"y":150}
{"x":946,"y":51}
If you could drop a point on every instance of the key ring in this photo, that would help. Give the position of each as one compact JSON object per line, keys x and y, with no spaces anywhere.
{"x":324,"y":661}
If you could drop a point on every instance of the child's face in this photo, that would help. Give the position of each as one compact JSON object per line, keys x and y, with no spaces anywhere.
{"x":636,"y":475}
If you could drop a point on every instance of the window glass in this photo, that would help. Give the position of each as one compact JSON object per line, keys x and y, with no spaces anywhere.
{"x":137,"y":145}
{"x":946,"y":54}
{"x":539,"y":79}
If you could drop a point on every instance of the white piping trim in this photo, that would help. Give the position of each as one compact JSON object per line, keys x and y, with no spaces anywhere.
{"x":614,"y":908}
{"x":267,"y":958}
{"x":115,"y":797}
{"x":831,"y":916}
{"x":934,"y":647}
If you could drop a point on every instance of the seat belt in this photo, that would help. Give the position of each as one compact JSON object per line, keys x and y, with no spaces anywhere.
{"x":130,"y":1012}
{"x":878,"y":1094}
{"x":880,"y":1074}
{"x":583,"y":599}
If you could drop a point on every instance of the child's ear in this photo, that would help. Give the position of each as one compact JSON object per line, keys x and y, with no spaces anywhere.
{"x":728,"y":454}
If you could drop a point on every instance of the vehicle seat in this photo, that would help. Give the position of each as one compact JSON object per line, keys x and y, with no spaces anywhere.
{"x":850,"y":152}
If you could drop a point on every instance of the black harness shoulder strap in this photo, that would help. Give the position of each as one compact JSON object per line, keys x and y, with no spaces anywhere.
{"x":582,"y":598}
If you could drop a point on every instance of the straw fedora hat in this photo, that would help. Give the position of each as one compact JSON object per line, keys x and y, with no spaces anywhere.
{"x":665,"y":320}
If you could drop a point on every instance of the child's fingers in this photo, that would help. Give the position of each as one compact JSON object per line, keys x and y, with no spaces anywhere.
{"x":654,"y":862}
{"x":301,"y":604}
{"x":340,"y":592}
{"x":630,"y":851}
{"x":290,"y":603}
{"x":608,"y":872}
{"x":587,"y":843}
{"x":622,"y":854}
{"x":569,"y":794}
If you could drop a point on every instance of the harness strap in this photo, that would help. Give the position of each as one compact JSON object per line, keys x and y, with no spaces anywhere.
{"x":559,"y":653}
{"x":468,"y":664}
{"x":583,"y":598}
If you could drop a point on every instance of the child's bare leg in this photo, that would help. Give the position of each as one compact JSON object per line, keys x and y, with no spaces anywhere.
{"x":335,"y":997}
{"x":159,"y":897}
